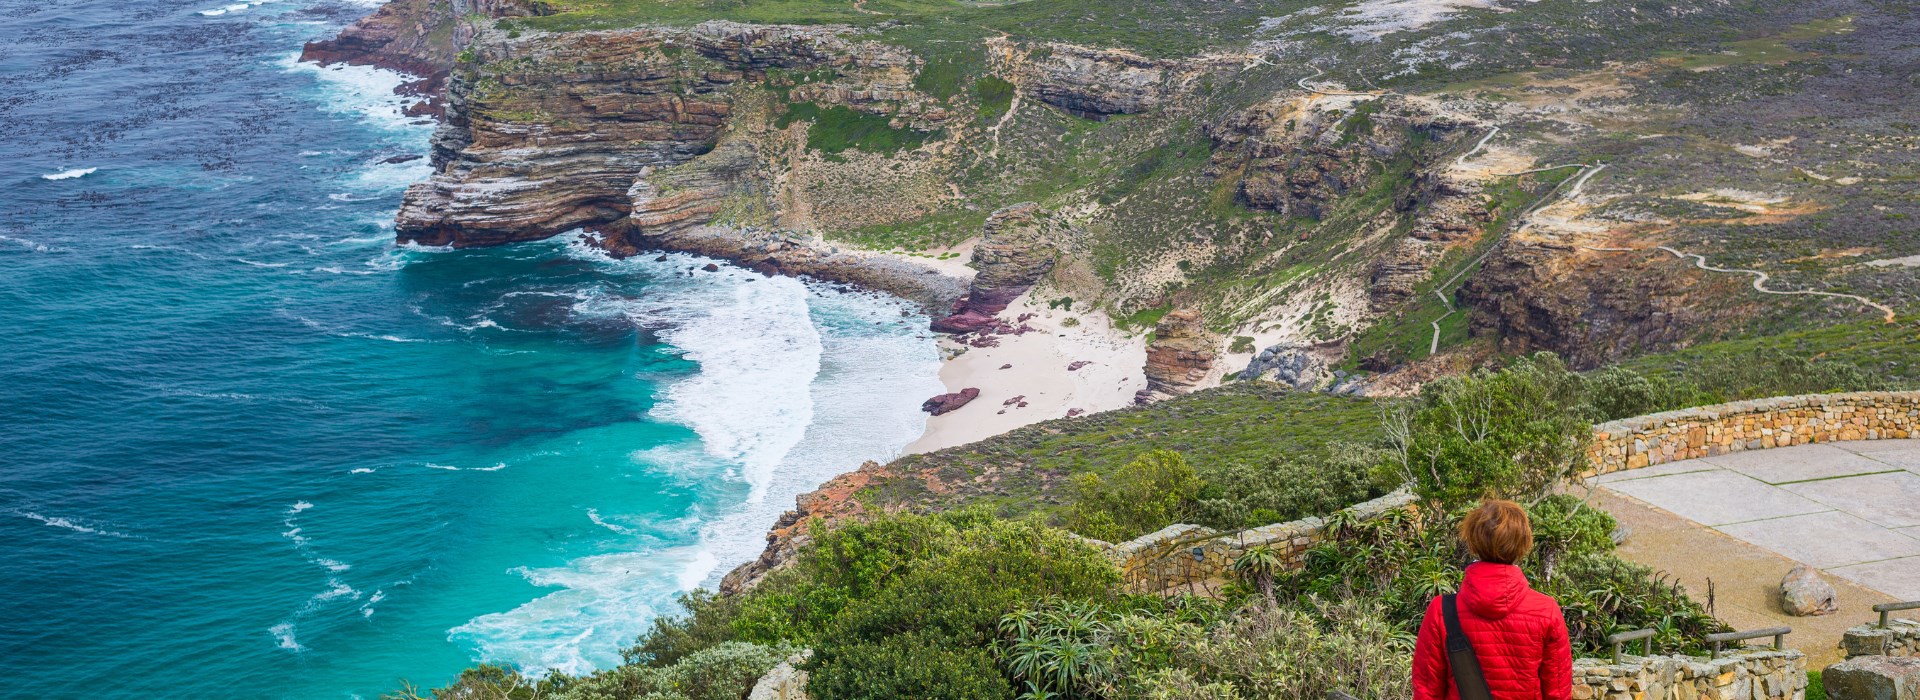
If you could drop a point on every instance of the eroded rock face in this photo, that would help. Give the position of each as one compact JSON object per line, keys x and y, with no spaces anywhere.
{"x":1592,"y":308}
{"x":1181,"y":356}
{"x":555,"y":132}
{"x":417,"y":37}
{"x":1297,"y":153}
{"x":1091,"y":83}
{"x":1014,"y":251}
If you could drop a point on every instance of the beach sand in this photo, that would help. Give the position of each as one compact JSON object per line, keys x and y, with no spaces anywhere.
{"x":1039,"y":374}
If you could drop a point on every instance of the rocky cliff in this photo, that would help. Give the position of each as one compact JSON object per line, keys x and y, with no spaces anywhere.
{"x":417,"y":37}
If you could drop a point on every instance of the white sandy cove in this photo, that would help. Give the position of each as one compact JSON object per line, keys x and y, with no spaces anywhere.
{"x":1039,"y":373}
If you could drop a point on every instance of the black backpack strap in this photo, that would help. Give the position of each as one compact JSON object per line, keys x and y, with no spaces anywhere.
{"x":1464,"y":664}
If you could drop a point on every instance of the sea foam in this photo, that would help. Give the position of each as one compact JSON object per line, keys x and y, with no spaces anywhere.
{"x":797,"y":383}
{"x":70,"y":174}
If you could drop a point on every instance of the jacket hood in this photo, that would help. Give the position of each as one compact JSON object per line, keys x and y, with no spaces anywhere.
{"x":1492,"y":590}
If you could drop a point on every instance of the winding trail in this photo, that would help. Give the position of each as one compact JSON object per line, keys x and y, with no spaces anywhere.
{"x":1759,"y":278}
{"x":1521,"y":223}
{"x":1579,"y":183}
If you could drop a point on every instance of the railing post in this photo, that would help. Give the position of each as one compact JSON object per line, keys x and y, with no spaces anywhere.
{"x":1885,"y":608}
{"x":1779,"y":635}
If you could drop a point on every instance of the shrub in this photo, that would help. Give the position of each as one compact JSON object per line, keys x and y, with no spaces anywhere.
{"x":1153,"y":491}
{"x":1512,"y":433}
{"x":1241,"y":343}
{"x":1620,"y":392}
{"x":907,"y":667}
{"x":1240,"y":495}
{"x":1289,"y":653}
{"x":1564,"y":525}
{"x":725,"y":671}
{"x":707,"y":622}
{"x":995,"y":95}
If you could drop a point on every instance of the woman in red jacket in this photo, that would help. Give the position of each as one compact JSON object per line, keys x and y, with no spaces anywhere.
{"x":1517,"y":633}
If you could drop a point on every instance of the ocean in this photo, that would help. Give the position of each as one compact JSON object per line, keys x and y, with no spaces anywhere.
{"x":251,"y":448}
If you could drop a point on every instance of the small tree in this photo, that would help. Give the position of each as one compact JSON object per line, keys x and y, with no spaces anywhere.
{"x":1151,"y":492}
{"x":1513,"y":433}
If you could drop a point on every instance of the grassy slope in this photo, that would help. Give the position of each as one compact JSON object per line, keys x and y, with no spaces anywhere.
{"x":1025,"y":470}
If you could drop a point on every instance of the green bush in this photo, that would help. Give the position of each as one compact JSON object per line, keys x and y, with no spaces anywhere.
{"x":1620,"y":392}
{"x":1512,"y":433}
{"x":1564,"y":525}
{"x":1286,"y":653}
{"x":725,"y":671}
{"x":995,"y":95}
{"x":707,"y":621}
{"x":1151,"y":492}
{"x":1240,"y":495}
{"x":838,"y":128}
{"x":907,"y":667}
{"x":1401,"y":562}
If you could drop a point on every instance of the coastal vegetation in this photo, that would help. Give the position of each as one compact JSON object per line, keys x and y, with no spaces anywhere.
{"x":996,"y":593}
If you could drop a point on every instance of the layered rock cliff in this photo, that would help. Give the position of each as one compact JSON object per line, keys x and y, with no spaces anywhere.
{"x":1181,"y":357}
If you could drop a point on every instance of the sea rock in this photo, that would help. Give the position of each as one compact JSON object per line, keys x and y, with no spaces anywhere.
{"x":948,"y":403}
{"x":1014,"y":251}
{"x":1804,"y":593}
{"x":1181,"y":356}
{"x":1874,"y":678}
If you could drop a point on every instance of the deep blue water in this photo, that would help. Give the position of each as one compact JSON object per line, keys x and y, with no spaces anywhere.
{"x":249,"y":448}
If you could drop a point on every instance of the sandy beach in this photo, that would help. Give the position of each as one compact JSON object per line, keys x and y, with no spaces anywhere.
{"x":1033,"y":368}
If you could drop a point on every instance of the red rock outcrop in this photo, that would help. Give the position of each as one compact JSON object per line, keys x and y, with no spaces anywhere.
{"x":948,"y":403}
{"x":1013,"y":253}
{"x":1180,"y":357}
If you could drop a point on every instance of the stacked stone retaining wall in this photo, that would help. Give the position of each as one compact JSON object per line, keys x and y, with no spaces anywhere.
{"x":1901,"y":637}
{"x":1707,"y":431}
{"x":1189,"y":558}
{"x":1755,"y":675}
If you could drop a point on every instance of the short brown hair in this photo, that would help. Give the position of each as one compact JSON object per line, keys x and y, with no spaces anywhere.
{"x":1498,"y":531}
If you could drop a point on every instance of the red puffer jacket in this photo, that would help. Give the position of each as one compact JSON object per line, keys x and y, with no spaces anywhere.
{"x":1518,"y":634}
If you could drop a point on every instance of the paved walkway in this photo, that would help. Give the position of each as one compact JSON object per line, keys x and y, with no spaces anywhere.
{"x":1851,"y":509}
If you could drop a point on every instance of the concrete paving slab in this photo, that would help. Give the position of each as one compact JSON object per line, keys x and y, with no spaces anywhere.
{"x":1897,"y":459}
{"x":1827,"y":539}
{"x":1889,"y":500}
{"x":1797,"y":463}
{"x":1866,"y":447}
{"x":1668,"y":469}
{"x":1718,"y":497}
{"x":1745,"y":578}
{"x":1899,"y":578}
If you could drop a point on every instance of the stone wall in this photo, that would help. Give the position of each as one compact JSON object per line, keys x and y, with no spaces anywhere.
{"x":1707,"y":431}
{"x":1900,"y":638}
{"x":1755,"y":675}
{"x":1190,"y":557}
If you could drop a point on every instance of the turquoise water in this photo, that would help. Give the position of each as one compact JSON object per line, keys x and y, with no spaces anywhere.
{"x":249,"y":448}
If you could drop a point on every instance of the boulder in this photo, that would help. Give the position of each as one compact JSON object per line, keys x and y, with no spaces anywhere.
{"x":948,"y":403}
{"x":783,"y":682}
{"x":1804,"y":593}
{"x":1874,"y":678}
